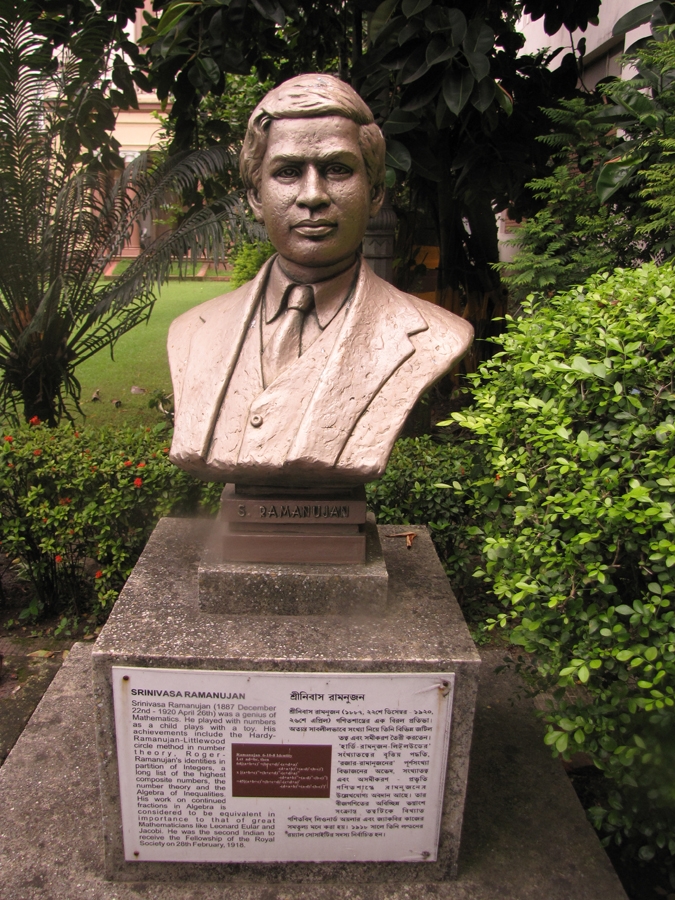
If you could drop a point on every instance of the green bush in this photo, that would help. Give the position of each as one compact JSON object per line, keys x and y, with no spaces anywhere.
{"x":416,"y":489}
{"x":248,"y":260}
{"x":559,"y":499}
{"x":575,"y":428}
{"x":77,"y":507}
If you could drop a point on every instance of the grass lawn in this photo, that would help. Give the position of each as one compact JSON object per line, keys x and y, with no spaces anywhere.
{"x":139,"y":359}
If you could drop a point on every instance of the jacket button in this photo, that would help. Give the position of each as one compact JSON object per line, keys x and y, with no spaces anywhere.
{"x":256,"y":421}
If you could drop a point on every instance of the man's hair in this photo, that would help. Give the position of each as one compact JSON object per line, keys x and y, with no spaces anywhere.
{"x":308,"y":97}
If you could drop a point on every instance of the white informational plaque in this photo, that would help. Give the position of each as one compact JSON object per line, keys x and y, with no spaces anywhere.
{"x":281,"y":767}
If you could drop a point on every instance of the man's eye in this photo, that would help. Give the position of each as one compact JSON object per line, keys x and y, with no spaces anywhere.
{"x":337,"y":169}
{"x":287,"y":172}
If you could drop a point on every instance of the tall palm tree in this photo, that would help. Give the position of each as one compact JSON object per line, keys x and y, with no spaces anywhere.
{"x":62,"y":222}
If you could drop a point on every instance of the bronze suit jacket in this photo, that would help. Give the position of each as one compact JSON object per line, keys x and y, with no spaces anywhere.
{"x":328,"y":423}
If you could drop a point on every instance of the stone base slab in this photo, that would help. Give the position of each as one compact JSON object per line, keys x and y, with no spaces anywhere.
{"x":525,"y":835}
{"x":285,"y":589}
{"x":157,"y":622}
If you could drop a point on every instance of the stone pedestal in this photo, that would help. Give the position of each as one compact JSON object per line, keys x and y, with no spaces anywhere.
{"x":157,"y":622}
{"x":285,"y":589}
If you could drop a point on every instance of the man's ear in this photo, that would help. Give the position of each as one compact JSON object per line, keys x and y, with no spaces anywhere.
{"x":255,"y":204}
{"x":376,"y":199}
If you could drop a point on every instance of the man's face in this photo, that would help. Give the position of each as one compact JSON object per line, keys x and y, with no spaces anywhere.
{"x":314,"y":195}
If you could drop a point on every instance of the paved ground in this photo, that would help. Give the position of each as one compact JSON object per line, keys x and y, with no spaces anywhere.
{"x":24,"y":677}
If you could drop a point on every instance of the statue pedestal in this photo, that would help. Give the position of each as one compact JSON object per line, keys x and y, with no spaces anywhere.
{"x":157,"y":623}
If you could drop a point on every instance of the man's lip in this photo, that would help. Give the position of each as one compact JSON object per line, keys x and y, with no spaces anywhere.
{"x":317,"y":229}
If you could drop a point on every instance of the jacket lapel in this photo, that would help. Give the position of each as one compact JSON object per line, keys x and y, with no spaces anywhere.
{"x":373,"y":343}
{"x":214,"y":350}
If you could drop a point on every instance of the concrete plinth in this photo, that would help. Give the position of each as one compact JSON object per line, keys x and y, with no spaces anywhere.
{"x":525,"y":835}
{"x":283,"y":589}
{"x":157,"y":622}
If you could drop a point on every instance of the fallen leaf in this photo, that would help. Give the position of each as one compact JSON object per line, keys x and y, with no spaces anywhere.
{"x":41,"y":654}
{"x":408,"y":535}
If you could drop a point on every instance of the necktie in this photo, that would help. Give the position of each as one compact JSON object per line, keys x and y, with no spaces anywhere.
{"x":284,"y":345}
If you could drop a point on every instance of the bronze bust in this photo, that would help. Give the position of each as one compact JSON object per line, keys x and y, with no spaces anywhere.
{"x":305,"y":375}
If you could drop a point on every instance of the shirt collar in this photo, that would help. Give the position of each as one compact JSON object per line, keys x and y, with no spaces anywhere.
{"x":329,"y":295}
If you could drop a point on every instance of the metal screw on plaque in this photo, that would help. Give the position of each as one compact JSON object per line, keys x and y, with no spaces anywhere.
{"x":136,"y":853}
{"x":125,"y":677}
{"x":425,"y":854}
{"x":256,"y":421}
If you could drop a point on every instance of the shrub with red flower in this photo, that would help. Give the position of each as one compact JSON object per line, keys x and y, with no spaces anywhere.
{"x":37,"y":452}
{"x":58,"y":558}
{"x":138,"y":482}
{"x":35,"y":420}
{"x":141,"y":465}
{"x":9,"y":438}
{"x":127,"y":463}
{"x":99,"y":574}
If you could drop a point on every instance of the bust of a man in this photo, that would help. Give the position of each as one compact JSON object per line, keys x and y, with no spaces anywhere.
{"x":305,"y":376}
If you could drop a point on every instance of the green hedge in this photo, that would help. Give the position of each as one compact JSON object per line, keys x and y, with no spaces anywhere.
{"x":563,"y":489}
{"x":77,"y":507}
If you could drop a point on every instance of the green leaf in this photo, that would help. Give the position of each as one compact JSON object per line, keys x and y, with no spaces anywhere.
{"x":624,"y":610}
{"x":614,"y":175}
{"x":172,"y":16}
{"x":398,"y":156}
{"x":380,"y":18}
{"x":400,"y":121}
{"x":457,"y":90}
{"x":479,"y":65}
{"x":414,"y":7}
{"x":483,"y":94}
{"x":504,"y":99}
{"x":581,"y":364}
{"x":479,"y":37}
{"x":636,"y":17}
{"x":438,"y":50}
{"x":583,"y":674}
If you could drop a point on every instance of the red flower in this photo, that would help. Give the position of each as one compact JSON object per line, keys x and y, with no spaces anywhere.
{"x":497,"y":477}
{"x":64,"y":501}
{"x":37,"y":452}
{"x":127,"y":463}
{"x":58,"y":558}
{"x":138,"y":482}
{"x":77,"y":434}
{"x":9,"y":438}
{"x":165,"y":449}
{"x":141,"y":465}
{"x":10,"y":465}
{"x":99,"y":574}
{"x":34,"y":421}
{"x":94,"y":468}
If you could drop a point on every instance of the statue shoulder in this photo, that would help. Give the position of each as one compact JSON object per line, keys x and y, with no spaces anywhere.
{"x":444,"y":321}
{"x":444,"y":326}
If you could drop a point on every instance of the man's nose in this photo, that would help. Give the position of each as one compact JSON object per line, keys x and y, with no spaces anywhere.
{"x":312,"y":193}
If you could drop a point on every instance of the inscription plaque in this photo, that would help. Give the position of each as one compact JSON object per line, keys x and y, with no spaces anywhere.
{"x":281,"y":767}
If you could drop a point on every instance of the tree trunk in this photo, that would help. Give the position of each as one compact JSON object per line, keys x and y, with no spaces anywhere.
{"x":39,"y":397}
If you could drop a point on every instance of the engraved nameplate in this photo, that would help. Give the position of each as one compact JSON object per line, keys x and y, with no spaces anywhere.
{"x":281,"y":767}
{"x":300,"y":510}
